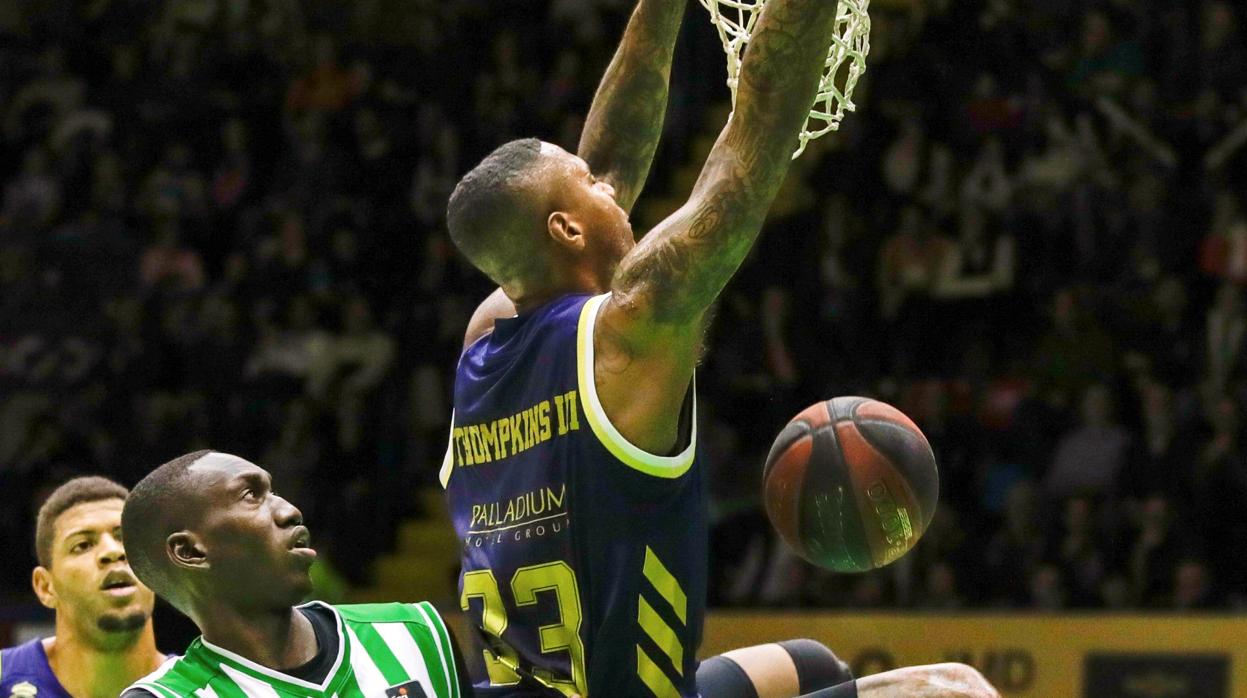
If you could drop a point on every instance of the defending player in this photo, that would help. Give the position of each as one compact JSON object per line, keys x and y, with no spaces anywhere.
{"x":207,"y":533}
{"x":572,"y":471}
{"x":104,"y":637}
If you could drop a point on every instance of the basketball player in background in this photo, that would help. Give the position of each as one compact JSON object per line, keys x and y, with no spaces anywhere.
{"x":104,"y":638}
{"x":208,"y":534}
{"x":572,"y":472}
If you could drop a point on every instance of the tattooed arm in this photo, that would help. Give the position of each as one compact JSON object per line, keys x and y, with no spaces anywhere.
{"x":625,"y":122}
{"x":649,"y":333}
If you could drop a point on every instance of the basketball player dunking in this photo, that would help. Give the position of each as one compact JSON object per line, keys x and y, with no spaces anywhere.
{"x":572,"y":472}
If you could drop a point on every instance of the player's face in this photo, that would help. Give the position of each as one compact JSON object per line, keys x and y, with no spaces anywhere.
{"x":605,"y":223}
{"x":90,"y":577}
{"x":256,"y":545}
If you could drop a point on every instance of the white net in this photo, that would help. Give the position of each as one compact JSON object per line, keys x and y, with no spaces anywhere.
{"x":846,"y":59}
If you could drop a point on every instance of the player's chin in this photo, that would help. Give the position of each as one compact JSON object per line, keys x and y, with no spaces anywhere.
{"x":124,"y":620}
{"x":299,"y":572}
{"x":301,"y":588}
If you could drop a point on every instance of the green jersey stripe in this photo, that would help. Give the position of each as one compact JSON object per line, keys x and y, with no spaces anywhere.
{"x":400,"y":637}
{"x":381,"y":646}
{"x":367,"y":675}
{"x":445,"y":654}
{"x":250,"y":686}
{"x":379,"y":652}
{"x":425,"y":638}
{"x":228,"y":690}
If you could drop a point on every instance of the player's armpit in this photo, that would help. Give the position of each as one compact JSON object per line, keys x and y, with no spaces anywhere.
{"x":634,"y":389}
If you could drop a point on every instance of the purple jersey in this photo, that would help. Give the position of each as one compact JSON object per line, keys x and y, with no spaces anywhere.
{"x":583,"y":557}
{"x":25,"y":673}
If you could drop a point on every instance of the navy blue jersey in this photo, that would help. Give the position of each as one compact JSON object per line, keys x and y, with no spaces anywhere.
{"x":584,"y":557}
{"x":24,"y":673}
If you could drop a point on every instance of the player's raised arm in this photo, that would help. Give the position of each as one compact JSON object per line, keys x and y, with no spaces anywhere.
{"x":648,"y":334}
{"x":677,"y":270}
{"x":625,"y":121}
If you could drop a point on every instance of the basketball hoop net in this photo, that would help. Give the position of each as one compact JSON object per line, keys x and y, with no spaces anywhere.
{"x":735,"y":21}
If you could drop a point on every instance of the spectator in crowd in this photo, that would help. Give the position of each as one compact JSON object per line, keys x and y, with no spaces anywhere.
{"x":1226,"y":330}
{"x":1089,"y":458}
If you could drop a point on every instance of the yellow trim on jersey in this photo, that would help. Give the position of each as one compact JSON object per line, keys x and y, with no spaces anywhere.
{"x":669,"y":467}
{"x":661,"y":634}
{"x":666,"y":585}
{"x":448,"y":461}
{"x":654,"y":678}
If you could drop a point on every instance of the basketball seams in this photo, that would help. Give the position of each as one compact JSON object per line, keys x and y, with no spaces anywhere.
{"x":792,"y":433}
{"x":873,"y":410}
{"x":815,"y":415}
{"x":852,"y":540}
{"x":782,"y":488}
{"x":873,"y":466}
{"x":924,"y":516}
{"x":847,"y":474}
{"x":914,"y":430}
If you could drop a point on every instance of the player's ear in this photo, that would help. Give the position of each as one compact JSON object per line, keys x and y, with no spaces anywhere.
{"x":186,"y":550}
{"x":41,"y":582}
{"x":566,"y":231}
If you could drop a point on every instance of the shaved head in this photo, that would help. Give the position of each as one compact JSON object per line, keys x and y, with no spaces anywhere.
{"x":496,"y":214}
{"x":536,"y":220}
{"x":207,"y":529}
{"x":157,"y":507}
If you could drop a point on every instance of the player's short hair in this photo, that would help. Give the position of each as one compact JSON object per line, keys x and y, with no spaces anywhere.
{"x":145,"y":518}
{"x":80,"y":490}
{"x":486,"y":214}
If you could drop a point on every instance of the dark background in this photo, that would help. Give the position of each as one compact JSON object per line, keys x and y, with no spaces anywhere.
{"x":222,"y":225}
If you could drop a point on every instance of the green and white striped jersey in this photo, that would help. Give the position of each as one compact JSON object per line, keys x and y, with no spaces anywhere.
{"x":390,"y":650}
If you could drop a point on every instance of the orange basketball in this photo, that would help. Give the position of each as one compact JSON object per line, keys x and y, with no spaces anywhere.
{"x":851,"y":484}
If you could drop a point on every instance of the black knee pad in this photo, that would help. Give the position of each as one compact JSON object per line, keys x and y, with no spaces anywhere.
{"x":720,"y":677}
{"x":817,"y":666}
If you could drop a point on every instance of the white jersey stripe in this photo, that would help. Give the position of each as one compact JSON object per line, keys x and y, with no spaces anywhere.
{"x":448,"y":461}
{"x":206,"y":692}
{"x":367,"y":675}
{"x":254,"y":688}
{"x":406,"y":651}
{"x":433,"y":621}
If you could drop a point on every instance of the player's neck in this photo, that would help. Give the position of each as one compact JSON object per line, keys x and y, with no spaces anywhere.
{"x":579,"y":281}
{"x":86,"y":671}
{"x":278,"y":640}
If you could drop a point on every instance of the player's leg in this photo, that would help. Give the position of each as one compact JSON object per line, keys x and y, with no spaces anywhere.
{"x":776,"y":670}
{"x":808,"y":669}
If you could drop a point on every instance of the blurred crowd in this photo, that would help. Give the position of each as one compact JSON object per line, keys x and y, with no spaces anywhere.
{"x":222,"y":225}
